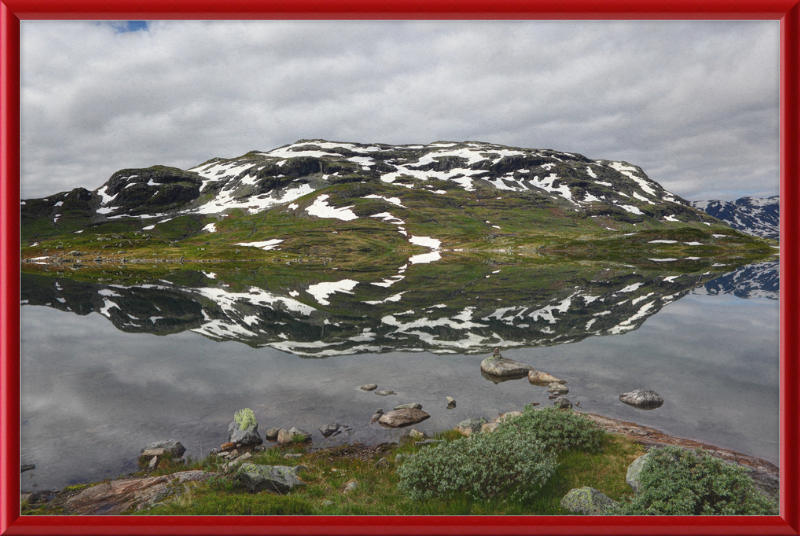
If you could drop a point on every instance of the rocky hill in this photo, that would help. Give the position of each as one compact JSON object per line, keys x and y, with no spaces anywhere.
{"x":351,"y":181}
{"x":752,"y":215}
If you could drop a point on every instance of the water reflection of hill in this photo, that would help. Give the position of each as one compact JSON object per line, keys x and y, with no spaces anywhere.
{"x":760,"y":280}
{"x":467,"y":308}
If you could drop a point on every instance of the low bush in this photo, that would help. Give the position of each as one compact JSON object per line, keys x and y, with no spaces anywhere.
{"x":558,"y":430}
{"x":676,"y":481}
{"x":481,"y":466}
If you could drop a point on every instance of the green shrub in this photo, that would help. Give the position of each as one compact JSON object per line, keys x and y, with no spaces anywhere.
{"x":482,"y":466}
{"x":558,"y":430}
{"x":676,"y":481}
{"x":245,"y":418}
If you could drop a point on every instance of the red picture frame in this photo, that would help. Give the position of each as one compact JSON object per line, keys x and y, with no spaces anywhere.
{"x":12,"y":11}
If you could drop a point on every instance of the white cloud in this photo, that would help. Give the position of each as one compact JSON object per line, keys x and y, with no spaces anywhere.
{"x":694,"y":103}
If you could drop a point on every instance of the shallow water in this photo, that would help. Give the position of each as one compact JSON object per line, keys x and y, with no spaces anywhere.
{"x":93,"y":396}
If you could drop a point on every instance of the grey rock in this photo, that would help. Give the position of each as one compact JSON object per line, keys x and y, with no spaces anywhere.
{"x":558,"y":388}
{"x":385,"y":393}
{"x":587,"y":501}
{"x":350,"y":486}
{"x":249,"y":435}
{"x":330,"y":429}
{"x":272,"y":434}
{"x":278,"y":478}
{"x":292,"y":455}
{"x":413,"y":405}
{"x":326,"y":502}
{"x":537,"y":377}
{"x":383,"y":462}
{"x":562,"y":402}
{"x":153,"y":463}
{"x":403,"y":417}
{"x":451,"y":402}
{"x":470,"y":426}
{"x":642,"y":398}
{"x":293,"y":435}
{"x":369,"y":387}
{"x":416,"y":434}
{"x":175,"y":448}
{"x":504,"y":368}
{"x":632,"y":477}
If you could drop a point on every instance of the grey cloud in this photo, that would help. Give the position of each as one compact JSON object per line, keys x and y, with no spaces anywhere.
{"x":694,"y":103}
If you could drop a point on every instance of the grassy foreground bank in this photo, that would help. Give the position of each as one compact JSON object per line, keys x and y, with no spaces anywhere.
{"x":524,"y":465}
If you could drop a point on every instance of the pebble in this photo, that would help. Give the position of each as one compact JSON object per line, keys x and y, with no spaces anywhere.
{"x":369,"y":387}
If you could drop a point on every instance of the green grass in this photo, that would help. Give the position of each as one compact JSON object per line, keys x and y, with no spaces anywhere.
{"x":377,"y":493}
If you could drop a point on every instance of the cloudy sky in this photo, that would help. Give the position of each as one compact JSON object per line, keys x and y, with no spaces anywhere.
{"x":695,"y":104}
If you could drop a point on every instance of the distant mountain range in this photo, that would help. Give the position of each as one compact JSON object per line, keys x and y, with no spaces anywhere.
{"x":752,"y":215}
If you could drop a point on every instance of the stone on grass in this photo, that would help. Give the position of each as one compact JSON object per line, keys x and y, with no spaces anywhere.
{"x":537,"y":377}
{"x":587,"y":501}
{"x":632,"y":477}
{"x":293,"y":435}
{"x":403,"y":417}
{"x":117,"y":496}
{"x":642,"y":398}
{"x":244,"y":429}
{"x":279,"y":478}
{"x":153,"y":463}
{"x":350,"y":486}
{"x":416,"y":434}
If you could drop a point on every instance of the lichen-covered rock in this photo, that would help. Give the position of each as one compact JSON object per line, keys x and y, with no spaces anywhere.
{"x":117,"y":496}
{"x":537,"y":377}
{"x":497,"y":365}
{"x":470,"y":426}
{"x":278,"y":478}
{"x":642,"y":398}
{"x":558,"y":388}
{"x":587,"y":501}
{"x":293,"y":435}
{"x":634,"y":472}
{"x":403,"y":417}
{"x":159,"y":448}
{"x":244,"y":429}
{"x":506,"y":416}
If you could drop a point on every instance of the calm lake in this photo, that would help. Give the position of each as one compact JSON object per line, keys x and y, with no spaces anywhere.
{"x":176,"y":360}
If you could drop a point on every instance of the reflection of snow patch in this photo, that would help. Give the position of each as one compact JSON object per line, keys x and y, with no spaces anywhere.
{"x":425,"y":258}
{"x":321,"y":291}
